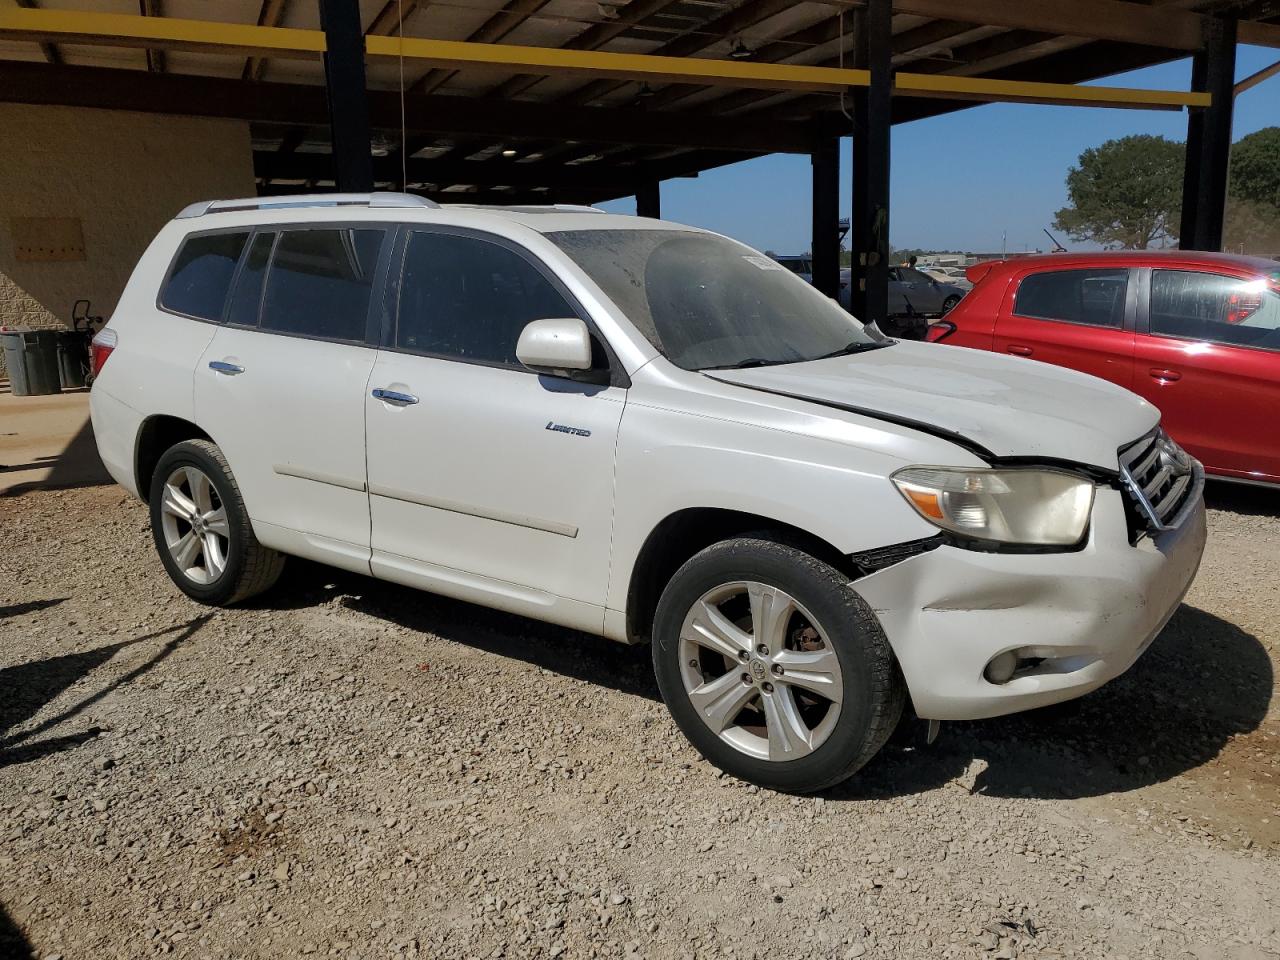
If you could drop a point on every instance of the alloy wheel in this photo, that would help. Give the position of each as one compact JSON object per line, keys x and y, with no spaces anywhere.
{"x":194,"y":523}
{"x":760,"y":671}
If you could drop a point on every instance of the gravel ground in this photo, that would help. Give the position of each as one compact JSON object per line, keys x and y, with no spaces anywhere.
{"x":348,"y":768}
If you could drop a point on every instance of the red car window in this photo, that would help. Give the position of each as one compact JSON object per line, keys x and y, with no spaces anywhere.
{"x":1220,"y":309}
{"x":1095,"y":297}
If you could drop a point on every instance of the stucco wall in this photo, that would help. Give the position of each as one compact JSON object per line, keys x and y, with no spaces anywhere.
{"x":123,"y":175}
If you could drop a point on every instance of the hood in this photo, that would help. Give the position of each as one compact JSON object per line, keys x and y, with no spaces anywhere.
{"x":1007,"y":406}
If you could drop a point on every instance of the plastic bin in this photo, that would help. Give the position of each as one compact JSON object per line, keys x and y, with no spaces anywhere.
{"x":31,"y":358}
{"x":73,"y":358}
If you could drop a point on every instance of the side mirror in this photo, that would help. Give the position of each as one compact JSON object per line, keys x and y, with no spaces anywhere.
{"x":558,"y":347}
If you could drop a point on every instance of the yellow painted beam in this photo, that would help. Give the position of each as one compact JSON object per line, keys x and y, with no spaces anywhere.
{"x":976,"y":88}
{"x":625,"y":66}
{"x":173,"y":33}
{"x":159,"y":33}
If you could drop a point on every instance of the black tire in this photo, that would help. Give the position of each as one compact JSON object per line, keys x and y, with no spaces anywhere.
{"x":250,"y":568}
{"x":874,"y":692}
{"x":949,"y":304}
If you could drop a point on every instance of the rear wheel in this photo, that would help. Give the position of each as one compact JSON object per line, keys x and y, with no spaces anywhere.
{"x":773,"y":667}
{"x":202,"y":531}
{"x":949,"y":304}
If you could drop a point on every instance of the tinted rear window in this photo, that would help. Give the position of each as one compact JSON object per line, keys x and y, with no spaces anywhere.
{"x":319,"y":283}
{"x":201,"y":275}
{"x":1092,"y":297}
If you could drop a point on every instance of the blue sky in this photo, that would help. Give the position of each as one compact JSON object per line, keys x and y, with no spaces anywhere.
{"x":958,"y":179}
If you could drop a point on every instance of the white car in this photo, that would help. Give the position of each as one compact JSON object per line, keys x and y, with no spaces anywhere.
{"x":652,"y":433}
{"x":952,"y":275}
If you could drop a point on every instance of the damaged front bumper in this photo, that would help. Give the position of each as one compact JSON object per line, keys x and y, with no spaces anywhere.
{"x":1074,"y":620}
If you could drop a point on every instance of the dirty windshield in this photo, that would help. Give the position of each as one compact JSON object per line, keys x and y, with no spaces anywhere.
{"x":710,"y":303}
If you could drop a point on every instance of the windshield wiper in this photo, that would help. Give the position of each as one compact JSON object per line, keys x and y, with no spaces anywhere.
{"x":858,"y":346}
{"x":748,"y":362}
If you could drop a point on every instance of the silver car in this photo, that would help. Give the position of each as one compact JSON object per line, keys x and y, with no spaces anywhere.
{"x":912,"y":294}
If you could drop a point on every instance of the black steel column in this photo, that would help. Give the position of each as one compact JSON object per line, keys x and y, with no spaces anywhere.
{"x":649,"y":200}
{"x":344,"y":82}
{"x":825,"y":248}
{"x":1208,"y":154}
{"x":869,"y":228}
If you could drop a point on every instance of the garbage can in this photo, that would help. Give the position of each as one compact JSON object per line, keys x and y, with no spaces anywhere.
{"x":32,"y":361}
{"x":73,"y":358}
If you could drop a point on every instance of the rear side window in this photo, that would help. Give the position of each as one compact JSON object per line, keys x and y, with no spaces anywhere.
{"x":468,"y":299}
{"x":1207,"y":306}
{"x":1095,"y":298}
{"x":201,"y":275}
{"x":319,"y":283}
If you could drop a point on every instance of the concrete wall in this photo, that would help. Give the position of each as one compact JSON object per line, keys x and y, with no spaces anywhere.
{"x":123,"y":175}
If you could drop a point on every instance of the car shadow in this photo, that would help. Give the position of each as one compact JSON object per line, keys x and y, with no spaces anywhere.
{"x":1203,"y":681}
{"x":581,"y":656}
{"x":13,"y":945}
{"x":1242,"y":498}
{"x":29,"y":687}
{"x":28,"y":606}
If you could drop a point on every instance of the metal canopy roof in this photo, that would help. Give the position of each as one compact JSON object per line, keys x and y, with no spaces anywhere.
{"x":573,"y":100}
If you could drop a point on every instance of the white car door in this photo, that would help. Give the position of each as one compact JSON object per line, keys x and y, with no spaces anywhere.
{"x":281,"y":387}
{"x":487,"y":481}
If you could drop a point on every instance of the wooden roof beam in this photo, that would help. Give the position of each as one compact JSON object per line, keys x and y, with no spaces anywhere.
{"x":593,"y":38}
{"x":305,"y":104}
{"x":50,"y":50}
{"x":493,"y":30}
{"x":270,"y":15}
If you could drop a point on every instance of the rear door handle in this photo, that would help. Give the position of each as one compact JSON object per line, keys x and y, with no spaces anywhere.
{"x":222,"y":366}
{"x":392,"y":396}
{"x":1163,"y":375}
{"x":1019,"y":350}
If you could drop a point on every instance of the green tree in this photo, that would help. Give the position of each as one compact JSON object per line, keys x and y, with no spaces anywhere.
{"x":1126,"y":193}
{"x":1255,"y":169}
{"x":1253,"y":208}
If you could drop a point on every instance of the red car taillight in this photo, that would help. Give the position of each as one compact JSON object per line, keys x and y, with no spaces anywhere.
{"x":100,"y":348}
{"x":939,"y":331}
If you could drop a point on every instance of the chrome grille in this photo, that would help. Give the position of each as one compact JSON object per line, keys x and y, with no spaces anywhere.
{"x":1159,"y":478}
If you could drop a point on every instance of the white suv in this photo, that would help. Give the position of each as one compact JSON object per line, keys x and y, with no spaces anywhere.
{"x":652,"y":433}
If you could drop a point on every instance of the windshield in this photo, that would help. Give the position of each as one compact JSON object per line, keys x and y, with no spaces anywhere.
{"x":705,"y":302}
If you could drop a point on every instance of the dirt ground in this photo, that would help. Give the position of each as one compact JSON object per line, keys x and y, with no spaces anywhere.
{"x":346,"y":768}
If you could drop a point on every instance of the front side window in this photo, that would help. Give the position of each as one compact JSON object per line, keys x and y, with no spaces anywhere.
{"x":1208,"y":306}
{"x":468,"y":299}
{"x":319,"y":282}
{"x":201,"y":275}
{"x":1095,"y":298}
{"x":705,"y":301}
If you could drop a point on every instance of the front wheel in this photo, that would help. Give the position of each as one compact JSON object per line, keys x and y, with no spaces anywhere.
{"x":202,"y":531}
{"x":773,"y":667}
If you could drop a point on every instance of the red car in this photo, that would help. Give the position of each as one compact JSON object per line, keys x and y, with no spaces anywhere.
{"x":1197,"y":334}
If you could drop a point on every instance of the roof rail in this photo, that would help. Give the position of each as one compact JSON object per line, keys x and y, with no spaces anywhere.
{"x":529,"y":207}
{"x":302,"y":200}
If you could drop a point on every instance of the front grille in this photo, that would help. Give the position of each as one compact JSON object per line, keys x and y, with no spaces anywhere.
{"x":1159,"y":477}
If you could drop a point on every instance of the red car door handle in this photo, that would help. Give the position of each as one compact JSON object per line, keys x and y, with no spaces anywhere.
{"x":1164,"y":376}
{"x":1019,"y":350}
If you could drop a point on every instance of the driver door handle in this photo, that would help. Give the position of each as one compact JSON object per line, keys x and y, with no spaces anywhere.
{"x":1163,"y":375}
{"x":1019,"y":350}
{"x":222,"y":366}
{"x":392,"y":396}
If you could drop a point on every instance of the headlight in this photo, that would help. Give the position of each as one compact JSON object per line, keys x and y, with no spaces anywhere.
{"x":1028,"y":507}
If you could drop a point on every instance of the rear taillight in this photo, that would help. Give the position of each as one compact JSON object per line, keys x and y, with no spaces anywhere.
{"x":100,"y":348}
{"x":939,"y":331}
